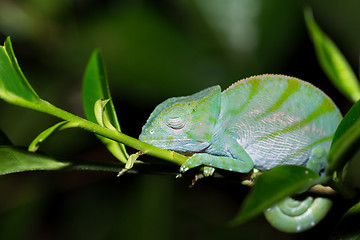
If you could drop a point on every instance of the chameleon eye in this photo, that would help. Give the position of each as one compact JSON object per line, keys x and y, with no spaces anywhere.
{"x":176,"y":118}
{"x":175,"y":123}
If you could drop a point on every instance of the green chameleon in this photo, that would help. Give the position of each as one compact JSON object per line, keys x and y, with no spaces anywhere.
{"x":259,"y":122}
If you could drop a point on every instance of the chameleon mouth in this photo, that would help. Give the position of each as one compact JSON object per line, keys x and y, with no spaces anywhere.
{"x":153,"y":140}
{"x":173,"y":143}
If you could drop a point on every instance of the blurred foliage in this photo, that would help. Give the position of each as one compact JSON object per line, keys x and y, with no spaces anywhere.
{"x":153,"y":50}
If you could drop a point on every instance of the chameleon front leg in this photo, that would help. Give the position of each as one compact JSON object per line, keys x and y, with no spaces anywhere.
{"x":242,"y":163}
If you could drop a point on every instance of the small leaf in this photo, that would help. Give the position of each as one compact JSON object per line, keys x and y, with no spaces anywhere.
{"x":14,"y":87}
{"x":95,"y":87}
{"x":346,"y":140}
{"x":107,"y":122}
{"x":332,"y":61}
{"x":15,"y":159}
{"x":100,"y":112}
{"x":274,"y":185}
{"x":99,"y":108}
{"x":348,"y":227}
{"x":130,"y":163}
{"x":4,"y":140}
{"x":34,"y":145}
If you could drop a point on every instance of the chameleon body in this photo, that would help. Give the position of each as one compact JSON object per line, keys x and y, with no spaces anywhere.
{"x":259,"y":122}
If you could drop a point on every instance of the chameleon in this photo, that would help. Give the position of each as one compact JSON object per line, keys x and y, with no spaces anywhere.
{"x":258,"y":123}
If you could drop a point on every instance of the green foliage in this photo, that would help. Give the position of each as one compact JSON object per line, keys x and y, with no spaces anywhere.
{"x":346,"y":140}
{"x":35,"y":144}
{"x":15,"y":159}
{"x":14,"y":88}
{"x":347,"y":228}
{"x":95,"y":87}
{"x":345,"y":145}
{"x":332,"y":61}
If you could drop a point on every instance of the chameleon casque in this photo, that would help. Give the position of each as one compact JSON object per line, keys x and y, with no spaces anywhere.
{"x":258,"y":122}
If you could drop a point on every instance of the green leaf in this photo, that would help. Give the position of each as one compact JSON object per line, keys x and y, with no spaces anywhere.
{"x":332,"y":61}
{"x":346,"y":140}
{"x":274,"y":185}
{"x":34,"y":145}
{"x":15,"y":159}
{"x":14,"y":87}
{"x":348,"y":227}
{"x":95,"y":87}
{"x":350,"y":178}
{"x":4,"y":140}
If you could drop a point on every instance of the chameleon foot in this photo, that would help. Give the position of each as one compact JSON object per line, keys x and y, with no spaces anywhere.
{"x":194,"y":161}
{"x":208,"y":171}
{"x":196,"y":178}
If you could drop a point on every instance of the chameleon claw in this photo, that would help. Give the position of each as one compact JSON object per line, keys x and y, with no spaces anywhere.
{"x":183,"y":169}
{"x":196,"y":178}
{"x":208,"y":171}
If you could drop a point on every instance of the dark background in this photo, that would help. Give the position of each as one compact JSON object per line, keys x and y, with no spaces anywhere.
{"x":153,"y":50}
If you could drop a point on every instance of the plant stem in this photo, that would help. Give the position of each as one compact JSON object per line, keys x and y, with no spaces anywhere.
{"x":143,"y":147}
{"x":117,"y":167}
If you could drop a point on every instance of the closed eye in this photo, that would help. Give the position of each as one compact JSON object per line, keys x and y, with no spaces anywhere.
{"x":175,"y":123}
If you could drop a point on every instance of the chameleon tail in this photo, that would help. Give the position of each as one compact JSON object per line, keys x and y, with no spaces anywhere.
{"x":292,"y":215}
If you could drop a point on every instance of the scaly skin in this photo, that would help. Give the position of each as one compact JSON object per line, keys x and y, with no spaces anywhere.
{"x":262,"y":122}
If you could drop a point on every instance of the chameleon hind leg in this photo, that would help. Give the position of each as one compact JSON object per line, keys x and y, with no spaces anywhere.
{"x":292,"y":215}
{"x":317,"y":159}
{"x":242,"y":163}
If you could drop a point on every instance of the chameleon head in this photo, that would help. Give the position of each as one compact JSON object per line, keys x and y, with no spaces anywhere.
{"x":184,"y":123}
